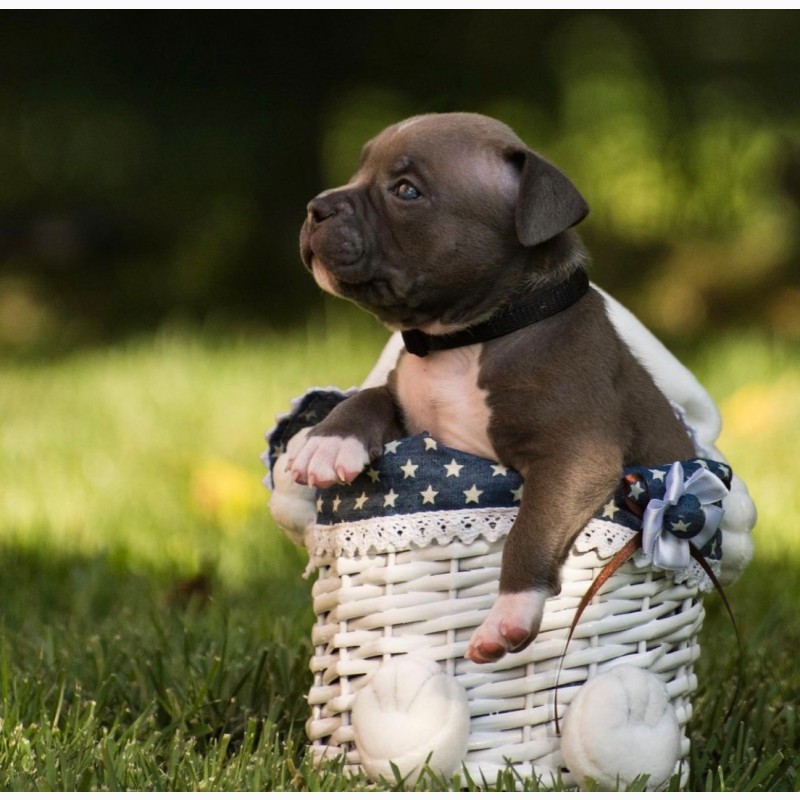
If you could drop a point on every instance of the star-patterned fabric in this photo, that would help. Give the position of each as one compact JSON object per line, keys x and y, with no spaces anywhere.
{"x":420,"y":474}
{"x":417,"y":474}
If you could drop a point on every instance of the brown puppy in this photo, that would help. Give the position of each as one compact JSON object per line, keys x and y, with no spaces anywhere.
{"x":453,"y":224}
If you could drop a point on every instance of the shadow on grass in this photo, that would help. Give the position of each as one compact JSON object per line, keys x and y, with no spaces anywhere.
{"x":86,"y":641}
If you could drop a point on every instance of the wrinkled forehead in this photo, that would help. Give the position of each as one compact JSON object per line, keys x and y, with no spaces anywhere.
{"x":459,"y":155}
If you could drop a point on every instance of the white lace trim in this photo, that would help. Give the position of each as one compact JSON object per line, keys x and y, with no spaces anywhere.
{"x":392,"y":534}
{"x":607,"y":538}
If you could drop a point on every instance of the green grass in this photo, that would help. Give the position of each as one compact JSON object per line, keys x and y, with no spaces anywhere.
{"x":154,"y":622}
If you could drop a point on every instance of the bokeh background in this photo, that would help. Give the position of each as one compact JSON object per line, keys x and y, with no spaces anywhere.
{"x":156,"y":167}
{"x":155,"y":317}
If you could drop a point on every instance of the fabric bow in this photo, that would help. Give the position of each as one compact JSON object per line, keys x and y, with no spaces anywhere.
{"x":687,"y":513}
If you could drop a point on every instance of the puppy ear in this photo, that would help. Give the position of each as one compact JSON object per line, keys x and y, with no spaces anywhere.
{"x":547,"y":202}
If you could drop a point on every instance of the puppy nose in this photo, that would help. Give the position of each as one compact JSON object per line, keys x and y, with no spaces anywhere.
{"x":319,"y":209}
{"x":326,"y":205}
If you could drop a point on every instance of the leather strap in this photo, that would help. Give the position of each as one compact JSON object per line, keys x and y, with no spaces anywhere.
{"x":619,"y":558}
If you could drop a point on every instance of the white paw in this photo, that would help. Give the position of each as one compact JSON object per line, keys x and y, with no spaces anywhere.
{"x":325,"y":460}
{"x":512,"y":624}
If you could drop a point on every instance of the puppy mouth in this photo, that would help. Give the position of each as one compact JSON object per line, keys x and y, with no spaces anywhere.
{"x":324,"y":277}
{"x":373,"y":294}
{"x":328,"y":277}
{"x":306,"y":253}
{"x":371,"y":288}
{"x":354,"y":283}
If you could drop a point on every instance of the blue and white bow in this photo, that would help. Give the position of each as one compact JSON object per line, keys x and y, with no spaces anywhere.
{"x":686,"y":514}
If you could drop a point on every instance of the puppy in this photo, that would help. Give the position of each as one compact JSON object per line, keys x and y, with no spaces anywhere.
{"x":456,"y":233}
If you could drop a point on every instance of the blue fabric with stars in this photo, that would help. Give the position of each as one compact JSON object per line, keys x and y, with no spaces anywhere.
{"x":417,"y":474}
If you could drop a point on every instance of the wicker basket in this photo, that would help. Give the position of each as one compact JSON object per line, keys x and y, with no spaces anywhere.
{"x":399,"y":576}
{"x":428,"y":601}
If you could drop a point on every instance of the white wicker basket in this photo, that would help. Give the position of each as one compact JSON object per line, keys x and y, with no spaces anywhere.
{"x":428,"y":601}
{"x":400,"y":574}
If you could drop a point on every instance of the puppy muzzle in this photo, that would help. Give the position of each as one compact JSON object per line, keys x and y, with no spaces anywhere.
{"x":332,"y":234}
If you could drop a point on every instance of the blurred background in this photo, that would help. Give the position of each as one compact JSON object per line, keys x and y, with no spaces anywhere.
{"x":154,"y":172}
{"x":155,"y":167}
{"x":155,"y":317}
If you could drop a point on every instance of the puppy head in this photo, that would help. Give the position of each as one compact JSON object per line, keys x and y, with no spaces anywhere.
{"x":446,"y":217}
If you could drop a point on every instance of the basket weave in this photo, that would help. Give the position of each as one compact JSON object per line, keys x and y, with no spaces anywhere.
{"x":429,"y":600}
{"x":399,"y":576}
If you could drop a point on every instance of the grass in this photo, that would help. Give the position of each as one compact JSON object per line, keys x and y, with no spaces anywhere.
{"x":153,"y":621}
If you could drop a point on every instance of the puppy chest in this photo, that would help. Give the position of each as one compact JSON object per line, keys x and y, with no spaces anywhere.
{"x":440,"y":394}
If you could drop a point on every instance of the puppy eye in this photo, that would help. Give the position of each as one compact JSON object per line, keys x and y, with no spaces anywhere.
{"x":407,"y":191}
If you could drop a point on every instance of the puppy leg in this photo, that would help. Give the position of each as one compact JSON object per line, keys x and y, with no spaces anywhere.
{"x":555,"y":507}
{"x":512,"y":624}
{"x":352,"y":435}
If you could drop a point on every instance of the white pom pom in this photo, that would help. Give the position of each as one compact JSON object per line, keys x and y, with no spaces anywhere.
{"x":621,"y":725}
{"x":291,"y":505}
{"x":408,"y":711}
{"x":737,"y":553}
{"x":740,"y":511}
{"x":739,"y":520}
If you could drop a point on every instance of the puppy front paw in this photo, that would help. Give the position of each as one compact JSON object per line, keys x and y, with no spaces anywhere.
{"x":325,"y":460}
{"x":512,"y":625}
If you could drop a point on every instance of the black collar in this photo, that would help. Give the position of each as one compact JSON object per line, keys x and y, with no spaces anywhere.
{"x":533,"y":308}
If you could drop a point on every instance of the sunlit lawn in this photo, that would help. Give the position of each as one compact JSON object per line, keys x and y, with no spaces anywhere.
{"x":154,"y":621}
